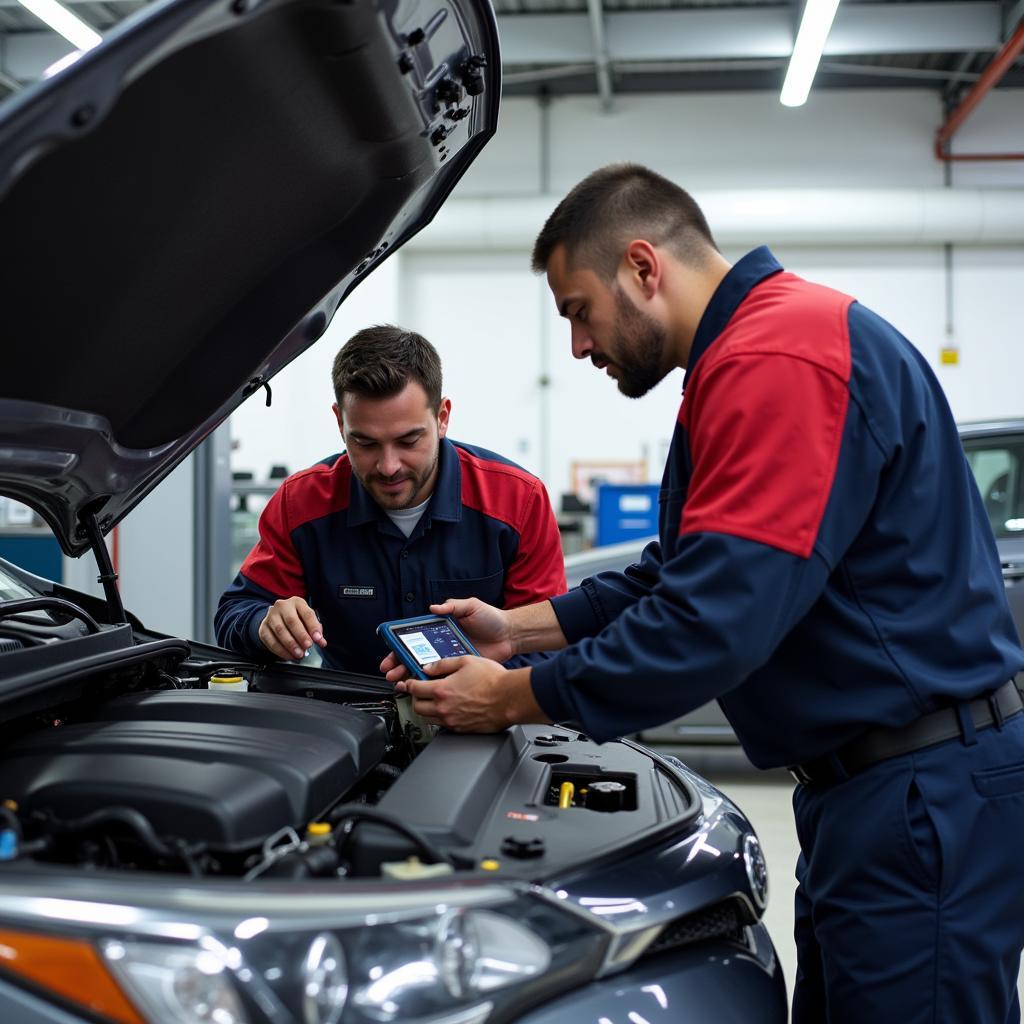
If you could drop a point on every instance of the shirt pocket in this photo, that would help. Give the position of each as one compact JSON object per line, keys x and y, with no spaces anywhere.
{"x":488,"y":588}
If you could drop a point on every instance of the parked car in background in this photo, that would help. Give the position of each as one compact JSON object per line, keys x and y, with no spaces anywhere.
{"x":187,"y":838}
{"x":707,"y":725}
{"x":995,"y":454}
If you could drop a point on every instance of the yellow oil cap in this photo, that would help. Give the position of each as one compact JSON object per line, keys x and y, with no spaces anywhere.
{"x":318,"y":833}
{"x":490,"y":864}
{"x":225,"y":679}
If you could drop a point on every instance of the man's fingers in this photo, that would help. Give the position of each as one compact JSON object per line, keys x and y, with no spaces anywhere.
{"x":284,"y":637}
{"x":394,"y":671}
{"x":427,"y":710}
{"x":456,"y":607}
{"x":312,"y":624}
{"x":294,"y":622}
{"x":446,"y":666}
{"x":271,"y":642}
{"x":421,"y":689}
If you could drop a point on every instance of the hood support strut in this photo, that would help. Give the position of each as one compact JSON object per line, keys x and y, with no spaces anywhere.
{"x":107,"y":576}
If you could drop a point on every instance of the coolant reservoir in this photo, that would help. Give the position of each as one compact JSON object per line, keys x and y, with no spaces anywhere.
{"x":228,"y":681}
{"x":413,"y":870}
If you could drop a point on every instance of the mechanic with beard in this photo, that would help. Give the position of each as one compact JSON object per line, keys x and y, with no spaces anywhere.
{"x":826,"y":570}
{"x":403,"y":518}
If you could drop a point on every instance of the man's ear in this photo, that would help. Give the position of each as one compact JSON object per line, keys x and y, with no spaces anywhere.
{"x":644,"y":266}
{"x":337,"y":416}
{"x":444,"y":410}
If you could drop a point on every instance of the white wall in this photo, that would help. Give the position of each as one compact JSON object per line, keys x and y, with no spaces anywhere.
{"x":728,"y":140}
{"x":498,"y":333}
{"x":493,"y":355}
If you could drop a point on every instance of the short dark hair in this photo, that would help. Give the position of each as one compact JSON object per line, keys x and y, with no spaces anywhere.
{"x":612,"y":206}
{"x":379,"y":361}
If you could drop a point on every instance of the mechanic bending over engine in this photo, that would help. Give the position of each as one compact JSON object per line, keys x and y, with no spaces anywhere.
{"x":403,"y":518}
{"x":826,"y":570}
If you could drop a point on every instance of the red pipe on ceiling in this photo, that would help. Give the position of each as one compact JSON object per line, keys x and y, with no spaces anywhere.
{"x":1000,"y":64}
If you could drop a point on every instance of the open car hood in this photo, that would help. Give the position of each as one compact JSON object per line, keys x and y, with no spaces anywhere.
{"x":184,"y":209}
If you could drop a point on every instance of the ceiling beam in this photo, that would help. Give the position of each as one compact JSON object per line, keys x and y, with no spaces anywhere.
{"x":703,"y":34}
{"x":595,"y":10}
{"x":688,"y":34}
{"x":891,"y":71}
{"x":960,"y":74}
{"x":666,"y":67}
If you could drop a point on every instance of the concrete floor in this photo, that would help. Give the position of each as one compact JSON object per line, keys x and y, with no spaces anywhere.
{"x":765,"y":798}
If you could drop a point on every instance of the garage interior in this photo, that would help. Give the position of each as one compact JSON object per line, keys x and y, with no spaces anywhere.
{"x":900,"y":181}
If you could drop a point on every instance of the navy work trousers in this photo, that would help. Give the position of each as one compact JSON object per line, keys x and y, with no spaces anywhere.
{"x":910,"y":903}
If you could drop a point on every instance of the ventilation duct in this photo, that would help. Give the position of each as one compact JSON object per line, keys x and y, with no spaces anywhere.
{"x":817,"y":217}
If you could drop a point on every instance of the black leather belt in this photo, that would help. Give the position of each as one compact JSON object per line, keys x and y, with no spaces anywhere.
{"x":936,"y":727}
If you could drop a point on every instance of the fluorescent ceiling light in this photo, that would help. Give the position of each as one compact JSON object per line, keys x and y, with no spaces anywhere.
{"x":61,"y":20}
{"x":810,"y":42}
{"x":65,"y":62}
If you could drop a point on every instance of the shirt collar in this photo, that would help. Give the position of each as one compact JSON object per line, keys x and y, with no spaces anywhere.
{"x":445,"y":502}
{"x":743,"y":276}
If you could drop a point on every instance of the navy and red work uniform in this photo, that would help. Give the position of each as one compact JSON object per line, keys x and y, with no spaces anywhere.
{"x":827,"y":571}
{"x":488,"y":532}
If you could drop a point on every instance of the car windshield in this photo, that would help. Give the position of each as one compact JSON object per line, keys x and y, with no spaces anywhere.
{"x":12,"y":589}
{"x":996,"y":463}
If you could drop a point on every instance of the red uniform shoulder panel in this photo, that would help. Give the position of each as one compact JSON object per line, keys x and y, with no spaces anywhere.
{"x":786,"y":315}
{"x":307,"y":495}
{"x":765,"y":413}
{"x":318,"y":491}
{"x":496,"y":489}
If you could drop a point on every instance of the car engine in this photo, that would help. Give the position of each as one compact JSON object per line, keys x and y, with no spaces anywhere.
{"x":310,"y":773}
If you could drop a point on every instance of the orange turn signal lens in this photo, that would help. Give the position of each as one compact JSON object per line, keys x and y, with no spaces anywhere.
{"x":69,"y":968}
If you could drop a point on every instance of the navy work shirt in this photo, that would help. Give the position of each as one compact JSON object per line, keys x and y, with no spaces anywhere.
{"x":488,"y":532}
{"x":825,"y":563}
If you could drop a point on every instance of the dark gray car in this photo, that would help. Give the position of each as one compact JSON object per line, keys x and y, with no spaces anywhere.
{"x":995,"y":453}
{"x":188,"y":838}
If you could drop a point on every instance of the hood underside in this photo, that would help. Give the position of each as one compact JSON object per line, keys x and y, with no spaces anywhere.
{"x":188,"y":205}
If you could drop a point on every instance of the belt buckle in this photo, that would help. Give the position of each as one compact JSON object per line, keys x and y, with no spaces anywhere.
{"x":799,"y":773}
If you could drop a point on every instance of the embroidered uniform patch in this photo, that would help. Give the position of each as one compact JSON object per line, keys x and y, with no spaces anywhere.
{"x":364,"y":592}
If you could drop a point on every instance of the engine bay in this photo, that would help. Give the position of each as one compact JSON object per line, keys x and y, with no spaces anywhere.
{"x":129,"y":759}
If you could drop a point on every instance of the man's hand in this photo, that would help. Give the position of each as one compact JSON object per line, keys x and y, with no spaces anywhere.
{"x":475,"y":695}
{"x":489,"y":630}
{"x":290,"y":628}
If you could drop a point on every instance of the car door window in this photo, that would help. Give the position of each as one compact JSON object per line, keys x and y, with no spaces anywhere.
{"x":996,"y":465}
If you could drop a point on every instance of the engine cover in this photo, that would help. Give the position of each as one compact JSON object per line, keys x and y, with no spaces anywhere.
{"x":228,"y":769}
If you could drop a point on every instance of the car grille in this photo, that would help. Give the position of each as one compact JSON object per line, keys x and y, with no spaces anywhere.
{"x":719,"y":921}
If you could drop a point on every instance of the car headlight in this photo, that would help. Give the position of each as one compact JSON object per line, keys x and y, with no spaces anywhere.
{"x":175,"y":984}
{"x":757,"y":870}
{"x":325,"y":981}
{"x":426,"y":967}
{"x":454,"y":955}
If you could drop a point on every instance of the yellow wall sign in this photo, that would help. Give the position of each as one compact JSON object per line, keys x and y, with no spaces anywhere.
{"x":949,"y":356}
